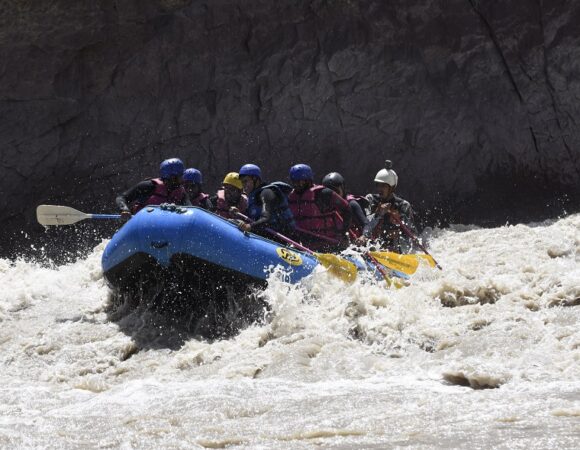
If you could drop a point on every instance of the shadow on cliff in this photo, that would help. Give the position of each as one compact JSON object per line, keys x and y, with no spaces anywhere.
{"x":501,"y":200}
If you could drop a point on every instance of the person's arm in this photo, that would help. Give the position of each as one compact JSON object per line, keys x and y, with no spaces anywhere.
{"x":213,"y":200}
{"x":269,"y":202}
{"x":144,"y":189}
{"x":186,"y":200}
{"x":358,"y":214}
{"x":208,"y":205}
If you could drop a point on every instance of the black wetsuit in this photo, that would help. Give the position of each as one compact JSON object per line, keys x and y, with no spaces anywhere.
{"x":268,"y":208}
{"x":359,"y":217}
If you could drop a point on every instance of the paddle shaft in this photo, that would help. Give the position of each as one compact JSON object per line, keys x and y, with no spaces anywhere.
{"x":290,"y":241}
{"x":374,"y":261}
{"x":380,"y":268}
{"x":318,"y":236}
{"x":55,"y":215}
{"x":409,"y":233}
{"x":377,"y":265}
{"x":278,"y":235}
{"x":339,"y":267}
{"x":303,"y":231}
{"x":104,"y":216}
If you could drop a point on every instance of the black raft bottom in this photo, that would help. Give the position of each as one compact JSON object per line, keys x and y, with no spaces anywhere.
{"x":191,"y":295}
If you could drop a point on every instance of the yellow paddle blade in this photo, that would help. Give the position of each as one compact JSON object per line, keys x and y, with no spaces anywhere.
{"x":337,"y":266}
{"x":407,"y":264}
{"x":391,"y":281}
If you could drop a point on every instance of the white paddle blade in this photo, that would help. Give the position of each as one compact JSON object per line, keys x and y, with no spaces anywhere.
{"x":58,"y":215}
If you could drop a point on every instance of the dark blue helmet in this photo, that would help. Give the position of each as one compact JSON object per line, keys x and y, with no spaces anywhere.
{"x":173,"y":167}
{"x":250,"y":170}
{"x":301,"y":172}
{"x":193,"y":175}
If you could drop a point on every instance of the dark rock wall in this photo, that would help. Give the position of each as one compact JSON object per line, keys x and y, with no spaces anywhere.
{"x":476,"y":102}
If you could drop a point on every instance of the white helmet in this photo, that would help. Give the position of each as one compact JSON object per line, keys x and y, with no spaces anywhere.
{"x":387,"y":175}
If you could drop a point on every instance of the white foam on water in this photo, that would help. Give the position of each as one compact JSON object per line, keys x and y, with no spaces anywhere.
{"x":485,"y":353}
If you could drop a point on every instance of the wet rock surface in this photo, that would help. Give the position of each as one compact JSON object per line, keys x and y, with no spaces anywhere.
{"x":477,"y":103}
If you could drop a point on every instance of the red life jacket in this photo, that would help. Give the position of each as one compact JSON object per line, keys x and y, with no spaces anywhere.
{"x":201,"y":197}
{"x":308,"y":216}
{"x":223,"y":208}
{"x":160,"y":195}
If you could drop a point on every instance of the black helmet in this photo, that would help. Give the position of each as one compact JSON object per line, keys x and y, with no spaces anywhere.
{"x":333,"y":180}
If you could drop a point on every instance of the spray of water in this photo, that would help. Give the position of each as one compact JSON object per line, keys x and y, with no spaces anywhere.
{"x":484,"y":353}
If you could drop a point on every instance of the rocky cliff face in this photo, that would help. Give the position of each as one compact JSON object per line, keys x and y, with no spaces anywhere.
{"x":476,"y":102}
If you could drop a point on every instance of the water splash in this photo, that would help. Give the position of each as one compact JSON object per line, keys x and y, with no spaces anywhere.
{"x":333,"y":365}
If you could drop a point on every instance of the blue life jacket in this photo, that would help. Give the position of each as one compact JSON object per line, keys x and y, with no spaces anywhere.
{"x":282,"y":217}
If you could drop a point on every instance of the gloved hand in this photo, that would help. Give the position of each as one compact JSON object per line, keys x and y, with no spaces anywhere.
{"x":361,"y":240}
{"x":245,"y":227}
{"x":125,"y":216}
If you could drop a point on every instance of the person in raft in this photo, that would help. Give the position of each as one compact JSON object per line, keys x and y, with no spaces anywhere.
{"x":168,"y":188}
{"x":193,"y":184}
{"x":391,"y":216}
{"x":230,"y":198}
{"x":322,"y":216}
{"x":359,"y":205}
{"x":267,"y":203}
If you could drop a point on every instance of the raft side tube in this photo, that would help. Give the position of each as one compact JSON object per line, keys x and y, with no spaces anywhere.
{"x":192,"y":231}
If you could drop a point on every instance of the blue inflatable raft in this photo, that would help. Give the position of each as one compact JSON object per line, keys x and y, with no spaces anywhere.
{"x":199,"y":265}
{"x":202,"y":268}
{"x":198,"y":243}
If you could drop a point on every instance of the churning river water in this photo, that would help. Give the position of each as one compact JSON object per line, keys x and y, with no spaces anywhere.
{"x":484,"y":354}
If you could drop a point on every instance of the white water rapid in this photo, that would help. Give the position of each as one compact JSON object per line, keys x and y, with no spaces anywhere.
{"x":484,"y":354}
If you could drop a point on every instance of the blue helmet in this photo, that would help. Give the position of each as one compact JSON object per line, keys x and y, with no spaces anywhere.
{"x":250,"y":170}
{"x":192,"y":175}
{"x":301,"y":172}
{"x":173,"y":167}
